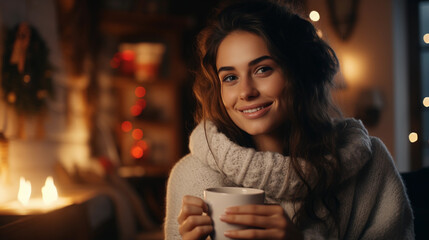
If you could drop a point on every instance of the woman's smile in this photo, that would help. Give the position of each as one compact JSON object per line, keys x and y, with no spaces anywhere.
{"x":255,"y":111}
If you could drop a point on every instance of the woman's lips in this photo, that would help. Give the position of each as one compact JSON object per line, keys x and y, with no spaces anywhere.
{"x":255,"y":111}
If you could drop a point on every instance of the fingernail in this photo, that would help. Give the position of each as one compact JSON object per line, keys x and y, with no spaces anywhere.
{"x":222,"y":217}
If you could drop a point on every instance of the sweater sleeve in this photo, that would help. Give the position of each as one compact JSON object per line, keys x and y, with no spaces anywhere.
{"x":383,"y":206}
{"x":188,"y":177}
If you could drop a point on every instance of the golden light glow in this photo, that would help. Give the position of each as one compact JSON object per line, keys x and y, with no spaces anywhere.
{"x":352,"y":68}
{"x":49,"y":191}
{"x":426,"y":38}
{"x":413,"y":137}
{"x":319,"y":33}
{"x":426,"y":101}
{"x":24,"y":191}
{"x":314,"y":16}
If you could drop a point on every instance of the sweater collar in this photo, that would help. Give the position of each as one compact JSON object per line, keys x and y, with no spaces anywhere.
{"x":214,"y":149}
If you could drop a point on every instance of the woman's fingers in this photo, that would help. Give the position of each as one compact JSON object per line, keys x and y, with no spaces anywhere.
{"x":256,"y":234}
{"x":196,"y":226}
{"x":195,"y":201}
{"x":191,"y":206}
{"x":265,"y":222}
{"x":188,"y":210}
{"x":200,"y":232}
{"x":262,"y":210}
{"x":256,"y":221}
{"x":193,"y":223}
{"x":262,"y":216}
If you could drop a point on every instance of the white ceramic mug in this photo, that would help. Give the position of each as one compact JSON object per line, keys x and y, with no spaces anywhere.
{"x":218,"y":199}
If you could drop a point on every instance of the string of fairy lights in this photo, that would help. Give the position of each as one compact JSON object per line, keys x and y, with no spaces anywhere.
{"x":140,"y":146}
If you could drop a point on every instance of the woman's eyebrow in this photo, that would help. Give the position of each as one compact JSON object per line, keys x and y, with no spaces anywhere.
{"x":251,"y":63}
{"x":259,"y":59}
{"x":225,"y":69}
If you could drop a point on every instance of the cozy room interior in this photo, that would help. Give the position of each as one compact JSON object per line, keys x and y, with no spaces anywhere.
{"x":106,"y":110}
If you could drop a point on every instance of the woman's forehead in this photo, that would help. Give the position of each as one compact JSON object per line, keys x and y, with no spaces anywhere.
{"x":240,"y":47}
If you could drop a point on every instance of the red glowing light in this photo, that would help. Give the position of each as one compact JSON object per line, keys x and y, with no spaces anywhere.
{"x":136,"y":152}
{"x":137,"y":134}
{"x":126,"y":126}
{"x":136,"y":110}
{"x":142,"y":144}
{"x":140,"y":92}
{"x":128,"y":55}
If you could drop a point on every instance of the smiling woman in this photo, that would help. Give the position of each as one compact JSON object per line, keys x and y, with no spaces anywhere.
{"x":266,"y":121}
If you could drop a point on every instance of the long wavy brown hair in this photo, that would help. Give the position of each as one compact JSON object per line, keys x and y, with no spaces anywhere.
{"x":310,"y":64}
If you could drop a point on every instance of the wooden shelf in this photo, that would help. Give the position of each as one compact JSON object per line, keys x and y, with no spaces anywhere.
{"x":161,"y":120}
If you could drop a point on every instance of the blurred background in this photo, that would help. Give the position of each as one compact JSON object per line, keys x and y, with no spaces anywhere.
{"x":96,"y":102}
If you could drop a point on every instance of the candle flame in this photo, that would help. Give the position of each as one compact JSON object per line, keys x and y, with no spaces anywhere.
{"x":24,"y":191}
{"x":49,"y":191}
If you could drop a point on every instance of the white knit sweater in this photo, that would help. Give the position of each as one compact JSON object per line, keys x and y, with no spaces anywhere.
{"x":373,"y":202}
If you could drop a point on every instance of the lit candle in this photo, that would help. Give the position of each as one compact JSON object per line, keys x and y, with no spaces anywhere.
{"x":49,"y":191}
{"x":24,"y":192}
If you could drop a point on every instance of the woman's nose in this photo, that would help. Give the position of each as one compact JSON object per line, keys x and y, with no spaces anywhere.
{"x":247,"y":89}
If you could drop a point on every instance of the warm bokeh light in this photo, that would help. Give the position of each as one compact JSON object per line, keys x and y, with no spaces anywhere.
{"x":319,"y":33}
{"x":352,"y":68}
{"x":142,"y":144}
{"x":136,"y":110}
{"x":140,"y":92}
{"x":314,"y":16}
{"x":137,"y":134}
{"x":49,"y":191}
{"x":426,"y":101}
{"x":24,"y":191}
{"x":413,"y":137}
{"x":426,"y":38}
{"x":126,"y":126}
{"x":136,"y":152}
{"x":128,"y":55}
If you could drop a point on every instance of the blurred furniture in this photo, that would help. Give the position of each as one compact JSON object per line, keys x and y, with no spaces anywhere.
{"x":417,"y":185}
{"x":161,"y":118}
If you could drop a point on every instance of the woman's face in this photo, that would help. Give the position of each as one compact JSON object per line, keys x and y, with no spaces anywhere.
{"x":253,"y":86}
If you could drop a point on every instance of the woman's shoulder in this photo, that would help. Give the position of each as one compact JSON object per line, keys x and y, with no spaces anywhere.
{"x":187,"y":164}
{"x":358,"y":149}
{"x":190,"y":170}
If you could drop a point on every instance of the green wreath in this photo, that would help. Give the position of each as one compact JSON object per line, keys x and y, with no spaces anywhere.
{"x":27,"y":89}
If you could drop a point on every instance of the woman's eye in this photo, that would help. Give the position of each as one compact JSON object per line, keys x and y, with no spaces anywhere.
{"x":229,"y":78}
{"x":263,"y":70}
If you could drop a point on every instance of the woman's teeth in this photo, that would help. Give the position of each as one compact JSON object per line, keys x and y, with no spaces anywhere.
{"x":253,"y":110}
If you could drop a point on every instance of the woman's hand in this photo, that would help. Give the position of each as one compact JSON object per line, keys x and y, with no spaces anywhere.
{"x":266,"y":222}
{"x":193,"y":221}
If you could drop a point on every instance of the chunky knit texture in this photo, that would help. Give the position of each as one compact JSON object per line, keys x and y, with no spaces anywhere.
{"x":373,"y":202}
